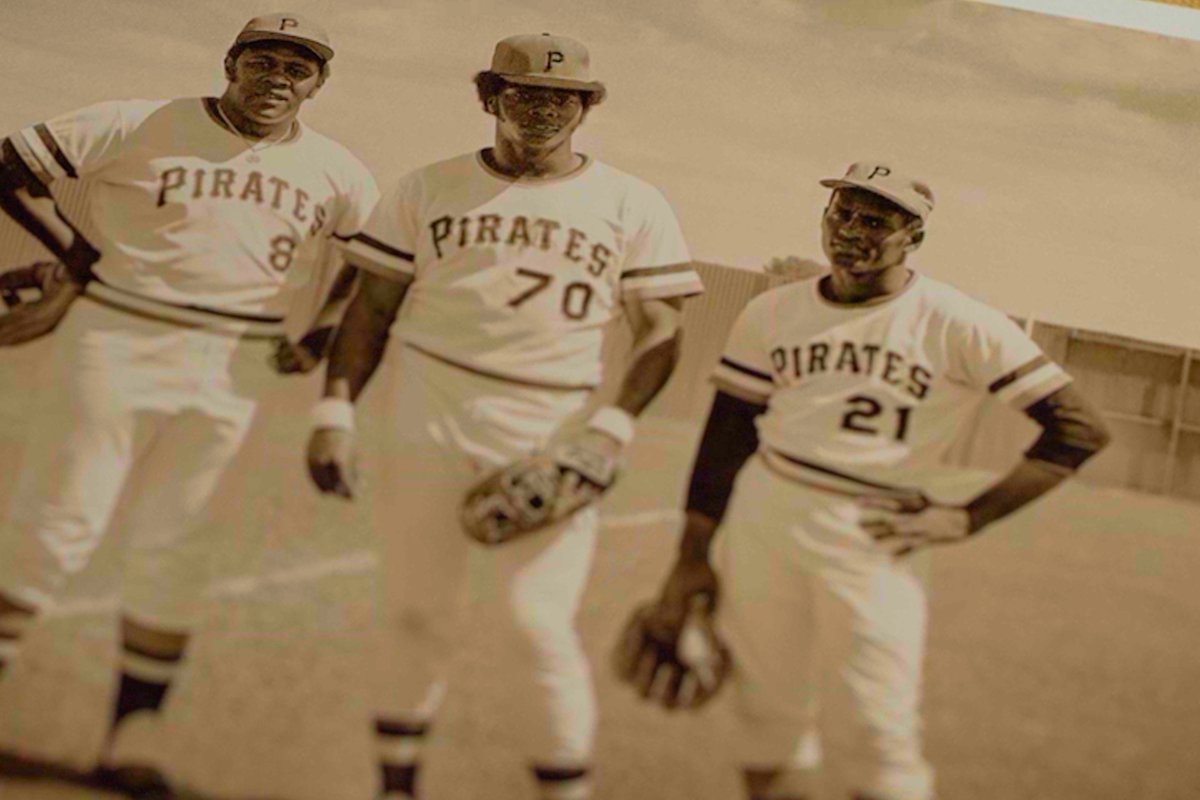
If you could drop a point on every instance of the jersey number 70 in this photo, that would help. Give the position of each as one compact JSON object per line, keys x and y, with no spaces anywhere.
{"x":576,"y":298}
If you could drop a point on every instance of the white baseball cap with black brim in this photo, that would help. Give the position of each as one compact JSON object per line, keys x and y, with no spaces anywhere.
{"x":287,"y":27}
{"x":881,"y":179}
{"x":557,"y":62}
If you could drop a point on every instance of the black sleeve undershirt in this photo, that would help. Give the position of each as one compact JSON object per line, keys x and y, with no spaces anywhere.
{"x":729,"y":439}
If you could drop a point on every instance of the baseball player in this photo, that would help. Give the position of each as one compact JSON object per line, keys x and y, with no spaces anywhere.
{"x":837,"y":400}
{"x":506,"y":265}
{"x":213,"y":218}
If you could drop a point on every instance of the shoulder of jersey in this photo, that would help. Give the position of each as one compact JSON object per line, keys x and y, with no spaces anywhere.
{"x":791,"y":290}
{"x":950,"y":297}
{"x":334,"y":149}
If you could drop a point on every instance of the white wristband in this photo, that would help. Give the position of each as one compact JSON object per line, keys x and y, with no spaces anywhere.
{"x":616,"y":422}
{"x":333,"y":412}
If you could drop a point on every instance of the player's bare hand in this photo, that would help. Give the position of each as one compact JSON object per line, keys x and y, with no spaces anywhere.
{"x":290,"y":358}
{"x":27,"y":321}
{"x":900,"y":527}
{"x":331,"y":461}
{"x":690,"y":578}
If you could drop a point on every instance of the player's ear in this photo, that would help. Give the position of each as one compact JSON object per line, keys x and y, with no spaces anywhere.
{"x":230,"y":68}
{"x":916,"y":235}
{"x":492,"y":105}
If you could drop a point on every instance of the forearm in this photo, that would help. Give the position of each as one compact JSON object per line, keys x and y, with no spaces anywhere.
{"x":362,"y":337}
{"x":698,"y":533}
{"x":648,"y":371}
{"x":1072,"y":432}
{"x":730,"y":437}
{"x":656,"y":344}
{"x":1027,"y":481}
{"x":29,"y":203}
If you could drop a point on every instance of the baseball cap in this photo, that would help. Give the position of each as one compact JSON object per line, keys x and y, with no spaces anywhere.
{"x":881,"y":179}
{"x":558,"y":62}
{"x":287,"y":27}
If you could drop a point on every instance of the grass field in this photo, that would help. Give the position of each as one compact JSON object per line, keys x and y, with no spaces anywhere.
{"x":1063,"y":652}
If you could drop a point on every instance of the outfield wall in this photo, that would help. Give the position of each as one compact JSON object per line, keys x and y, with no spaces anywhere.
{"x":1149,"y":393}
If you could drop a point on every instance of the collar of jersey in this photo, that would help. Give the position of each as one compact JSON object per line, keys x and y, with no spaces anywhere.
{"x":874,"y":301}
{"x":210,"y":108}
{"x":575,"y":173}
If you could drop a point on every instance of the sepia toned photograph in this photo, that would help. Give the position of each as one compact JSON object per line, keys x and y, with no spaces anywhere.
{"x":531,"y":400}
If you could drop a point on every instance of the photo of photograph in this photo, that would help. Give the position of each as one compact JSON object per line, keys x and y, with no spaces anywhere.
{"x":531,"y":400}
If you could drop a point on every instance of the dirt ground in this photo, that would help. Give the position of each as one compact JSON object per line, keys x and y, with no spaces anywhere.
{"x":1063,"y":650}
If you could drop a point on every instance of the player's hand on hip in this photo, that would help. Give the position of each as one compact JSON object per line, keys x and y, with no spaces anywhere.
{"x":900,"y":527}
{"x":27,"y":321}
{"x":331,"y":461}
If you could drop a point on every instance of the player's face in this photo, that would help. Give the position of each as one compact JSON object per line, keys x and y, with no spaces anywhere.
{"x":269,"y":81}
{"x":538,"y":117}
{"x":863,"y":234}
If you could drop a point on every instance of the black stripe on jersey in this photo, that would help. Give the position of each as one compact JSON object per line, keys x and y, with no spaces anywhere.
{"x":564,"y":387}
{"x":559,"y":774}
{"x":133,"y":649}
{"x":234,"y":315}
{"x":753,"y":373}
{"x":646,"y":272}
{"x":382,"y":247}
{"x":1018,"y":373}
{"x":387,"y":727}
{"x":887,"y":487}
{"x":47,"y":139}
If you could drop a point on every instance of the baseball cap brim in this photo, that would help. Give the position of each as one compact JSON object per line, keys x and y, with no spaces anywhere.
{"x":316,"y":48}
{"x":846,"y":183}
{"x":554,"y":83}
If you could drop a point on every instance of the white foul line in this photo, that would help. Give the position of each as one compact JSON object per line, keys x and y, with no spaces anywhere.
{"x":356,"y":562}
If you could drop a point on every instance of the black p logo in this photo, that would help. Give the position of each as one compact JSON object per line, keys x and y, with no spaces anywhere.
{"x":553,"y":57}
{"x":879,"y":170}
{"x":288,"y":22}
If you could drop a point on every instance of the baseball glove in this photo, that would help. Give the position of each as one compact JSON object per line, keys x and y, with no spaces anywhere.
{"x":531,"y":493}
{"x":676,"y":663}
{"x":30,"y":317}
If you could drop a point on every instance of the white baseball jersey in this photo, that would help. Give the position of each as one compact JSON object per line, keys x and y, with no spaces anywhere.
{"x":871,"y":395}
{"x":518,"y":278}
{"x":186,"y":212}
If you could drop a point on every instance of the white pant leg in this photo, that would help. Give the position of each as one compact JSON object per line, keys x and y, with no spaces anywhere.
{"x":888,"y":610}
{"x":415,"y":497}
{"x":84,"y":433}
{"x":165,"y":562}
{"x":769,"y":617}
{"x":540,"y":581}
{"x":449,"y":426}
{"x":784,"y":551}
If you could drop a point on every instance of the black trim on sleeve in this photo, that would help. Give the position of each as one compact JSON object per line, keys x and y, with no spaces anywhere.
{"x":59,"y":156}
{"x":1071,"y":431}
{"x":1018,"y":373}
{"x":730,"y":438}
{"x":753,"y":373}
{"x":382,"y":247}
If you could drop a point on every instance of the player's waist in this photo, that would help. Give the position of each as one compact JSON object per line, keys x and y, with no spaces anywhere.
{"x":233,"y":323}
{"x":503,"y":375}
{"x":824,"y":477}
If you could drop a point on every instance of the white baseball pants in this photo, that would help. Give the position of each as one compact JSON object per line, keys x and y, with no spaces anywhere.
{"x":132,"y":424}
{"x":449,"y":427}
{"x":783,"y":552}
